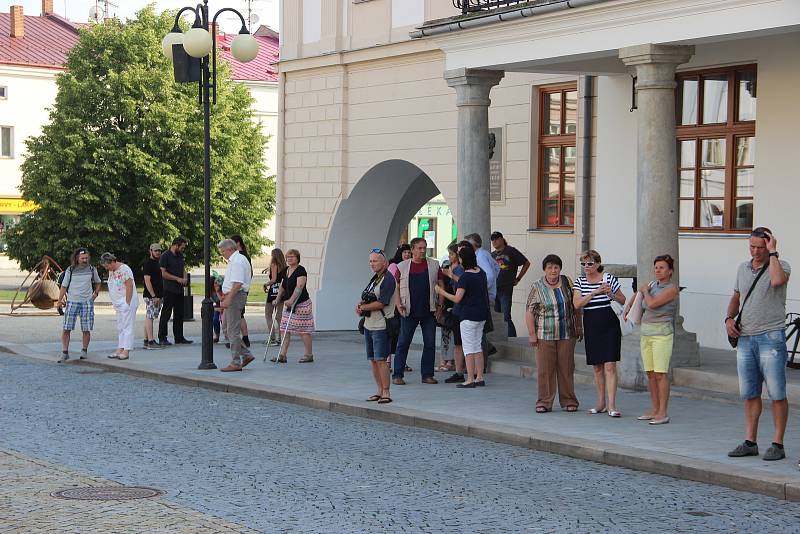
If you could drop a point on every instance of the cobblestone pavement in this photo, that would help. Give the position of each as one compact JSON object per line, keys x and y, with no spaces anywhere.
{"x":27,"y":506}
{"x":282,"y":468}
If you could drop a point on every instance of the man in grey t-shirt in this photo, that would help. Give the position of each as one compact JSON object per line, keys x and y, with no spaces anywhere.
{"x":761,"y":355}
{"x":79,"y":288}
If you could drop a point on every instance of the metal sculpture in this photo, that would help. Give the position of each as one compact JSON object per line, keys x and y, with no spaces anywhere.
{"x":43,"y":291}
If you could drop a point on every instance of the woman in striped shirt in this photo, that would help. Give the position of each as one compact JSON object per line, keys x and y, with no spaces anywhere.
{"x":593,"y":293}
{"x":553,"y":326}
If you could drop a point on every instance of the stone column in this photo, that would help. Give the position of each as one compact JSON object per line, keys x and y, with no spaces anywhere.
{"x":472,"y":98}
{"x":656,"y":183}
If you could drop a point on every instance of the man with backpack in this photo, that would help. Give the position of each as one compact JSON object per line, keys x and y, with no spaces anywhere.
{"x":80,"y":286}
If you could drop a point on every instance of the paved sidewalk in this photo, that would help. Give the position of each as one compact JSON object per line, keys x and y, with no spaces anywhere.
{"x":693,"y":446}
{"x":27,"y":506}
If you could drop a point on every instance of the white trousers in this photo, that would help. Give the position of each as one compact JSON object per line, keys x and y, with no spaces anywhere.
{"x":126,"y":319}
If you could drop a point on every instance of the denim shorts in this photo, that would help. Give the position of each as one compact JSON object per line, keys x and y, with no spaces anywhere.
{"x":377,"y":344}
{"x":762,"y":358}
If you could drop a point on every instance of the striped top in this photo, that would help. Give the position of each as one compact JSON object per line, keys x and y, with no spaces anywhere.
{"x":552,"y":310}
{"x":598,"y":301}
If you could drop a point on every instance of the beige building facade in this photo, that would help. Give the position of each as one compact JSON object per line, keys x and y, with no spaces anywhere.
{"x":375,"y":110}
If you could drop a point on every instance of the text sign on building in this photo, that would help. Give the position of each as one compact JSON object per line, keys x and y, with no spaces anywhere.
{"x":15,"y":206}
{"x":496,"y":164}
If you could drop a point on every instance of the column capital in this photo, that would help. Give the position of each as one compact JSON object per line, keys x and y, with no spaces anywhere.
{"x":472,"y":85}
{"x":654,"y":65}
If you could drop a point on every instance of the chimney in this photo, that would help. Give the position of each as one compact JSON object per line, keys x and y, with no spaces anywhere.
{"x":17,"y":22}
{"x":47,"y":7}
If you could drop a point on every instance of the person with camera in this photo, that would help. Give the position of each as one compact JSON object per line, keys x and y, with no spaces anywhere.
{"x":152,"y":293}
{"x":417,"y":303}
{"x":376,"y":309}
{"x":79,"y":289}
{"x":471,"y":300}
{"x":755,"y":325}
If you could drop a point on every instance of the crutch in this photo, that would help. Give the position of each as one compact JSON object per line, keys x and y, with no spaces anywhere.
{"x":269,"y":339}
{"x":283,"y":338}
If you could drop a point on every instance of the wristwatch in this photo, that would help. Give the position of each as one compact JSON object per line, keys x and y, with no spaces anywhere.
{"x":771,"y":254}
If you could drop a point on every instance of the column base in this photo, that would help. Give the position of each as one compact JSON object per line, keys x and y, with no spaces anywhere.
{"x":685,"y":353}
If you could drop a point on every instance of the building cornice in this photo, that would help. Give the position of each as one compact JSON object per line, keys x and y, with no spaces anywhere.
{"x":30,"y":71}
{"x":360,"y":55}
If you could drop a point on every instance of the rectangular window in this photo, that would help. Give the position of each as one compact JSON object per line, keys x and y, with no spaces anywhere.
{"x":6,"y":142}
{"x":557,"y":156}
{"x":715,"y":115}
{"x":3,"y":92}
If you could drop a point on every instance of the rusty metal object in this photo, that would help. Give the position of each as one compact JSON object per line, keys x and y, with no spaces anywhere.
{"x":43,"y":290}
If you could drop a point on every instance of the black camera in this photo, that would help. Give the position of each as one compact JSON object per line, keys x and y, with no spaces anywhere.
{"x":367,"y":297}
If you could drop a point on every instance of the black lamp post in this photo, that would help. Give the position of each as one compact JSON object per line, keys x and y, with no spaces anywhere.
{"x":190,"y":53}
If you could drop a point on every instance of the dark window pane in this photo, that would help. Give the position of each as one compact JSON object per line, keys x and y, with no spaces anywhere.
{"x":687,"y":153}
{"x":552,"y":114}
{"x":570,"y":157}
{"x":687,"y":101}
{"x":687,"y":183}
{"x":745,"y":151}
{"x":712,"y":153}
{"x":571,"y":111}
{"x":552,"y":160}
{"x":744,"y":182}
{"x":5,"y":142}
{"x":686,"y":218}
{"x":550,"y":212}
{"x":744,"y":214}
{"x":568,"y":212}
{"x":712,"y":183}
{"x":711,"y":213}
{"x":715,"y":99}
{"x":746,"y":80}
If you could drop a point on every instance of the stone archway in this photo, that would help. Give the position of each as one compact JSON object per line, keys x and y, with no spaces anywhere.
{"x":372,"y":216}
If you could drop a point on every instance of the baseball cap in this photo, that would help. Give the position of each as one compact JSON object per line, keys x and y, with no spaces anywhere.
{"x":155,"y":246}
{"x":496,"y":235}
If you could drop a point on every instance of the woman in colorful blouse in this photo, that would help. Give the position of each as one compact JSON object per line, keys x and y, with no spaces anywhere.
{"x":553,"y":328}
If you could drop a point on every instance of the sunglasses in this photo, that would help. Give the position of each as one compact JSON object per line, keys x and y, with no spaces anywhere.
{"x":664,"y":257}
{"x":587,"y":263}
{"x":378,"y":251}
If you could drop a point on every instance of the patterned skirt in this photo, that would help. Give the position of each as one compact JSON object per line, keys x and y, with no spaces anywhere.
{"x":302,"y":319}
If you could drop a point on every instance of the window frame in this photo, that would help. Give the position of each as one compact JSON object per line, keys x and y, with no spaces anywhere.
{"x":561,"y":141}
{"x":10,"y":142}
{"x":730,"y":131}
{"x":3,"y":92}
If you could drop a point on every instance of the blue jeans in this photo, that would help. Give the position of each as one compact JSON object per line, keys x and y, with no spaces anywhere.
{"x":760,"y":359}
{"x":502,"y":304}
{"x":377,"y":344}
{"x":408,"y":325}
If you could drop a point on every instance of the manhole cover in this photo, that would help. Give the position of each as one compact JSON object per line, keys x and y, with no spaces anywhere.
{"x":112,"y":493}
{"x":699,"y":514}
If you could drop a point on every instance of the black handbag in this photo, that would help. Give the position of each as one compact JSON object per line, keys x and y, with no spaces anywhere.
{"x":272,"y":291}
{"x":734,"y":341}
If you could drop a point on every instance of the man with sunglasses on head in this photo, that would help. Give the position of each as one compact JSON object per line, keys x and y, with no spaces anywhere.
{"x":756,"y":315}
{"x":79,"y":289}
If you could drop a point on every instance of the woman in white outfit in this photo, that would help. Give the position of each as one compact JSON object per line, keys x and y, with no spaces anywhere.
{"x":122,"y":290}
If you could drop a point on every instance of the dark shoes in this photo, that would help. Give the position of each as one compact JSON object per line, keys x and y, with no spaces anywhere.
{"x":429,"y":380}
{"x":743,"y":449}
{"x":183,"y":341}
{"x":471,"y":385}
{"x":455,"y":378}
{"x":774,"y":453}
{"x":398,"y":381}
{"x":164,"y":342}
{"x":480,"y":383}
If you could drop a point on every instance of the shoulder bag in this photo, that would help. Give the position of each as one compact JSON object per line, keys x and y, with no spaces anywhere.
{"x":734,"y":341}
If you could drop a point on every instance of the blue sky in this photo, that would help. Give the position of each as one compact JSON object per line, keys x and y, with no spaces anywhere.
{"x":78,"y":10}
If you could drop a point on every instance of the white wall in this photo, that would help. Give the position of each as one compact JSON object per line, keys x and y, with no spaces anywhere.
{"x":30,"y":93}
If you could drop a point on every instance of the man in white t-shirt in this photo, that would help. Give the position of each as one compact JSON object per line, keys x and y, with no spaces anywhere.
{"x":238,"y":276}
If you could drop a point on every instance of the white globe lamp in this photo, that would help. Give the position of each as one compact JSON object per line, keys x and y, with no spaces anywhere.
{"x":172,"y":38}
{"x":244,"y":47}
{"x":197,"y":42}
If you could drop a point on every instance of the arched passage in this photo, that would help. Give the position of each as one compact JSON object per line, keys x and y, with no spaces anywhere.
{"x":373,"y":216}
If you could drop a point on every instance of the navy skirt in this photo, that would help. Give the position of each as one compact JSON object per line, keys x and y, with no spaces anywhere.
{"x":602,"y":336}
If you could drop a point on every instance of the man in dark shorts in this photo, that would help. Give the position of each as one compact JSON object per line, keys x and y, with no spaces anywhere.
{"x":509,"y":259}
{"x":173,"y":273}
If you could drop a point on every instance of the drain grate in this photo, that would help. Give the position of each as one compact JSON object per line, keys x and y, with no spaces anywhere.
{"x":107,"y":493}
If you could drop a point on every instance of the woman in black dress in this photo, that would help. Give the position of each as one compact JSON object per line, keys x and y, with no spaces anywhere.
{"x":593,"y":292}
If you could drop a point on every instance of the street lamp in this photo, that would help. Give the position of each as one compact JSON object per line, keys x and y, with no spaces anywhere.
{"x":189,"y":53}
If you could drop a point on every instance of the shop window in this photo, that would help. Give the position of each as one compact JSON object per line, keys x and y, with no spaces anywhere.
{"x":6,"y":142}
{"x":716,"y":113}
{"x":557,"y":156}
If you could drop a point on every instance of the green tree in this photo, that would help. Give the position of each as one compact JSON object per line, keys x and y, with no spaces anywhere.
{"x":120,"y":165}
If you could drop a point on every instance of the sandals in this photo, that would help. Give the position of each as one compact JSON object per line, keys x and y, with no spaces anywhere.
{"x":278,"y":359}
{"x":374,"y":398}
{"x":614,"y":413}
{"x":571,"y":409}
{"x":306,"y":359}
{"x":542,"y":409}
{"x":384,"y":400}
{"x":595,"y":411}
